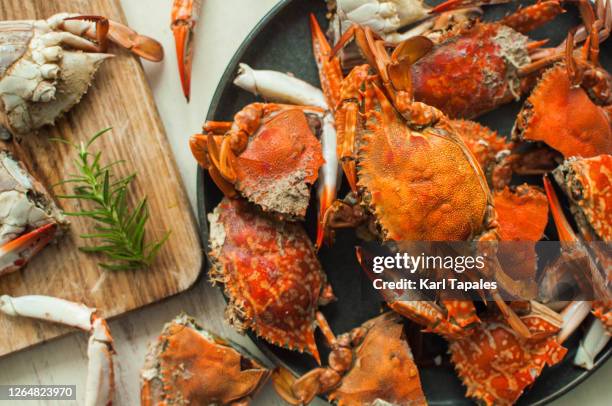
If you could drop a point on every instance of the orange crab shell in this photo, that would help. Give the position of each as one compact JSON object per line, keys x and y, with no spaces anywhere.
{"x":384,"y":368}
{"x":603,"y":311}
{"x":280,"y":160}
{"x":487,"y":146}
{"x":496,"y":365}
{"x":522,"y":215}
{"x":588,"y":184}
{"x":469,"y":73}
{"x":188,"y":364}
{"x":415,"y":197}
{"x":564,"y":117}
{"x":271,"y":274}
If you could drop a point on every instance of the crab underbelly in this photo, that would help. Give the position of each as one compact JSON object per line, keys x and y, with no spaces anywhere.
{"x":421,"y":186}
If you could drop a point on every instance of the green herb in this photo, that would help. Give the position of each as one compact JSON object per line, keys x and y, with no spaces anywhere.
{"x":119,"y":230}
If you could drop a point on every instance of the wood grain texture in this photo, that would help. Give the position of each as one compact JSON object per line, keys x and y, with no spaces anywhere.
{"x":120,"y":98}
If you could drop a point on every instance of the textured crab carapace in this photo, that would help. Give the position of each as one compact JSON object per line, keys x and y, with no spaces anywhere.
{"x":496,"y":364}
{"x":271,"y":274}
{"x":268,"y":153}
{"x":588,"y":184}
{"x":371,"y":364}
{"x":189,"y":365}
{"x":475,"y":67}
{"x":492,"y":151}
{"x":522,"y":214}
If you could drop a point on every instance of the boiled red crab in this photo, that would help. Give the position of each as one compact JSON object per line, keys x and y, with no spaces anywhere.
{"x":100,"y":376}
{"x":371,"y":364}
{"x":386,"y":143}
{"x":268,"y":154}
{"x":184,"y":17}
{"x":189,"y":365}
{"x":270,"y":273}
{"x":474,"y":68}
{"x":48,"y":65}
{"x":496,"y":364}
{"x":570,"y":109}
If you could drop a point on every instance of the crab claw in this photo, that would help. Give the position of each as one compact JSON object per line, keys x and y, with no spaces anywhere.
{"x":104,"y":29}
{"x":184,"y":16}
{"x":16,"y":253}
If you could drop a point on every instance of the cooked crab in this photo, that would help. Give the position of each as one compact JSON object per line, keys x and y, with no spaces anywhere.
{"x":386,"y":142}
{"x":496,"y":364}
{"x":189,"y":365}
{"x":270,"y":273}
{"x":476,"y":67}
{"x":268,"y":153}
{"x":29,"y":219}
{"x":48,"y":65}
{"x":100,"y":373}
{"x":570,"y":109}
{"x":522,"y":213}
{"x":370,"y":365}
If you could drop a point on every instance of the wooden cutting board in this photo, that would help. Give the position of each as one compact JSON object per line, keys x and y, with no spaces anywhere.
{"x":119,"y":97}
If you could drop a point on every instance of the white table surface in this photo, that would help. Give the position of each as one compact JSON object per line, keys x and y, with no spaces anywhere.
{"x":222,"y":27}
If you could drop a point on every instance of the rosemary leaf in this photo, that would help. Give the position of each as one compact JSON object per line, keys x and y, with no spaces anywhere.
{"x":119,"y":233}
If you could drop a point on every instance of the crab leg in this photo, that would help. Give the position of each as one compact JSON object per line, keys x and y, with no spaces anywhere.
{"x":101,"y":29}
{"x":15,"y":254}
{"x":184,"y":18}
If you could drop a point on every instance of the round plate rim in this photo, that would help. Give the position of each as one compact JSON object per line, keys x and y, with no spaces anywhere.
{"x":227,"y":77}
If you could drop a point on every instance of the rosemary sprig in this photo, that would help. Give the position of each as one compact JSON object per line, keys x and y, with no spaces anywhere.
{"x":119,"y":230}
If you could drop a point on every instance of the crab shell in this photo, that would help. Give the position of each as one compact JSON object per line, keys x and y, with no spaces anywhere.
{"x":522,"y":215}
{"x":271,"y":274}
{"x":490,"y":149}
{"x":25,"y":205}
{"x":279,"y":163}
{"x":384,"y":368}
{"x":413,"y":196}
{"x":473,"y":71}
{"x":189,"y":365}
{"x":39,"y":79}
{"x":588,"y":184}
{"x":564,"y":117}
{"x":603,"y":311}
{"x":496,"y":364}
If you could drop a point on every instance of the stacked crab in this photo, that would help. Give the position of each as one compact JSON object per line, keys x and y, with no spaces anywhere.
{"x":46,"y":67}
{"x":408,"y":97}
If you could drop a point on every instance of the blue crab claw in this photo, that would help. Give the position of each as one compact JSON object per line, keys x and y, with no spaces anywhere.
{"x":15,"y":254}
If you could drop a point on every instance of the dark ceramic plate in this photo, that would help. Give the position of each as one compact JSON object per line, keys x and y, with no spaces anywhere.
{"x":281,"y":41}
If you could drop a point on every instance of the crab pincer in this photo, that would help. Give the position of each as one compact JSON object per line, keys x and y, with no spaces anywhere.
{"x":184,"y":18}
{"x":570,"y":108}
{"x":48,"y":65}
{"x":100,"y":377}
{"x":29,"y":221}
